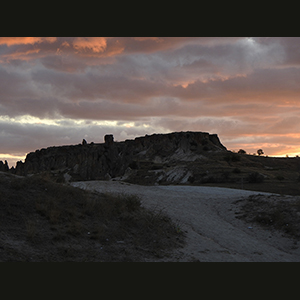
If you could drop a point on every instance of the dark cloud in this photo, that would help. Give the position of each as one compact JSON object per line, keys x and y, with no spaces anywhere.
{"x":13,"y":84}
{"x":244,"y":89}
{"x":17,"y":138}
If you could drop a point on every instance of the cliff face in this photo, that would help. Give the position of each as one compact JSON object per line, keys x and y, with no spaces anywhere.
{"x":3,"y":166}
{"x":116,"y":159}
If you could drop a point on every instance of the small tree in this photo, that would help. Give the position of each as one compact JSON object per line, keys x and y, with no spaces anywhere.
{"x":260,"y":152}
{"x":241,"y":151}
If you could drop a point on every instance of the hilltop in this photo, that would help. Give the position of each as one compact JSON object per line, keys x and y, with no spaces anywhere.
{"x":117,"y":159}
{"x":185,"y":158}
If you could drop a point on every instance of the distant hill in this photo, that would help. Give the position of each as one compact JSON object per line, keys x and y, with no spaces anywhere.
{"x":118,"y":159}
{"x":192,"y":158}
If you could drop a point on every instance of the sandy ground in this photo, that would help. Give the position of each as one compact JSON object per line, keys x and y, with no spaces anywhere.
{"x":207,"y":215}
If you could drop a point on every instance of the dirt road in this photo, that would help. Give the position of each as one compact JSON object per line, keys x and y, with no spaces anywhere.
{"x":207,"y":215}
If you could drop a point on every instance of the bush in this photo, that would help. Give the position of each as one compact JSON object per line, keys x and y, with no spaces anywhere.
{"x":260,"y":152}
{"x":280,"y":177}
{"x":134,"y":165}
{"x":232,"y":157}
{"x":241,"y":151}
{"x":209,"y":179}
{"x":255,"y":177}
{"x":236,"y":171}
{"x":216,"y":178}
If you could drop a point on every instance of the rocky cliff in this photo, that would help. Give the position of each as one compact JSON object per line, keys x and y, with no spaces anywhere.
{"x":3,"y":166}
{"x":123,"y":160}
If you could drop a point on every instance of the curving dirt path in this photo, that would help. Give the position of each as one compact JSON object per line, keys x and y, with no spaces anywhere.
{"x":207,"y":215}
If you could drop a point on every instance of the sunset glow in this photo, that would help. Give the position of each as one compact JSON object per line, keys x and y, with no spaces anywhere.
{"x":58,"y":90}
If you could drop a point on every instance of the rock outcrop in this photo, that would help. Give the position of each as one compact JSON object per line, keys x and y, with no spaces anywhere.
{"x":120,"y":159}
{"x":4,"y":166}
{"x":109,"y":139}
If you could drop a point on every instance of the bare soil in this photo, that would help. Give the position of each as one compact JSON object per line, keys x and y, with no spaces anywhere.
{"x":220,"y":223}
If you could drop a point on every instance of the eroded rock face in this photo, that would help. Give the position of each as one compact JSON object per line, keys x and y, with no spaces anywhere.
{"x":111,"y":159}
{"x":3,"y":166}
{"x":108,"y":139}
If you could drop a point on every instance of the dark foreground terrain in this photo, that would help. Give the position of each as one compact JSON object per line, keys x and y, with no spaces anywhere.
{"x":43,"y":218}
{"x":45,"y":221}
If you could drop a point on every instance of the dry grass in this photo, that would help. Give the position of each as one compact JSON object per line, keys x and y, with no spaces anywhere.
{"x":226,"y":169}
{"x":273,"y":212}
{"x":241,"y":171}
{"x":31,"y":229}
{"x":63,"y":223}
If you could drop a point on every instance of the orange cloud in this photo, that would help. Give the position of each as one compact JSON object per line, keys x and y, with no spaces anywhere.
{"x":10,"y":41}
{"x":142,"y":39}
{"x":24,"y":55}
{"x":95,"y":44}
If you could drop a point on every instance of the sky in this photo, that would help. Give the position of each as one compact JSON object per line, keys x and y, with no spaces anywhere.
{"x":59,"y":90}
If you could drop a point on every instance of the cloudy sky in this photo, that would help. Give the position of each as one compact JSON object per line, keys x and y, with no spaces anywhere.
{"x":58,"y":90}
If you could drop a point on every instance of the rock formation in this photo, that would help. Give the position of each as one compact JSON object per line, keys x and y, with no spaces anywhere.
{"x":120,"y":159}
{"x":3,"y":166}
{"x":109,"y":139}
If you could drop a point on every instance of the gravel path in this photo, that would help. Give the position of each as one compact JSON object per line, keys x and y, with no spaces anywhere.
{"x":207,"y":215}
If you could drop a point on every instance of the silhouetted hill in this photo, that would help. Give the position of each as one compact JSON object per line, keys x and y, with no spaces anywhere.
{"x":192,"y":158}
{"x":116,"y":159}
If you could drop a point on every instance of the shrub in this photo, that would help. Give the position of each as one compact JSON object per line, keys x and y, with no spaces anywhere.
{"x":260,"y":152}
{"x":235,"y":157}
{"x":236,"y":171}
{"x":279,"y":177}
{"x":134,"y":165}
{"x":241,"y":151}
{"x":255,"y":177}
{"x":216,"y":178}
{"x":232,"y":157}
{"x":225,"y":176}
